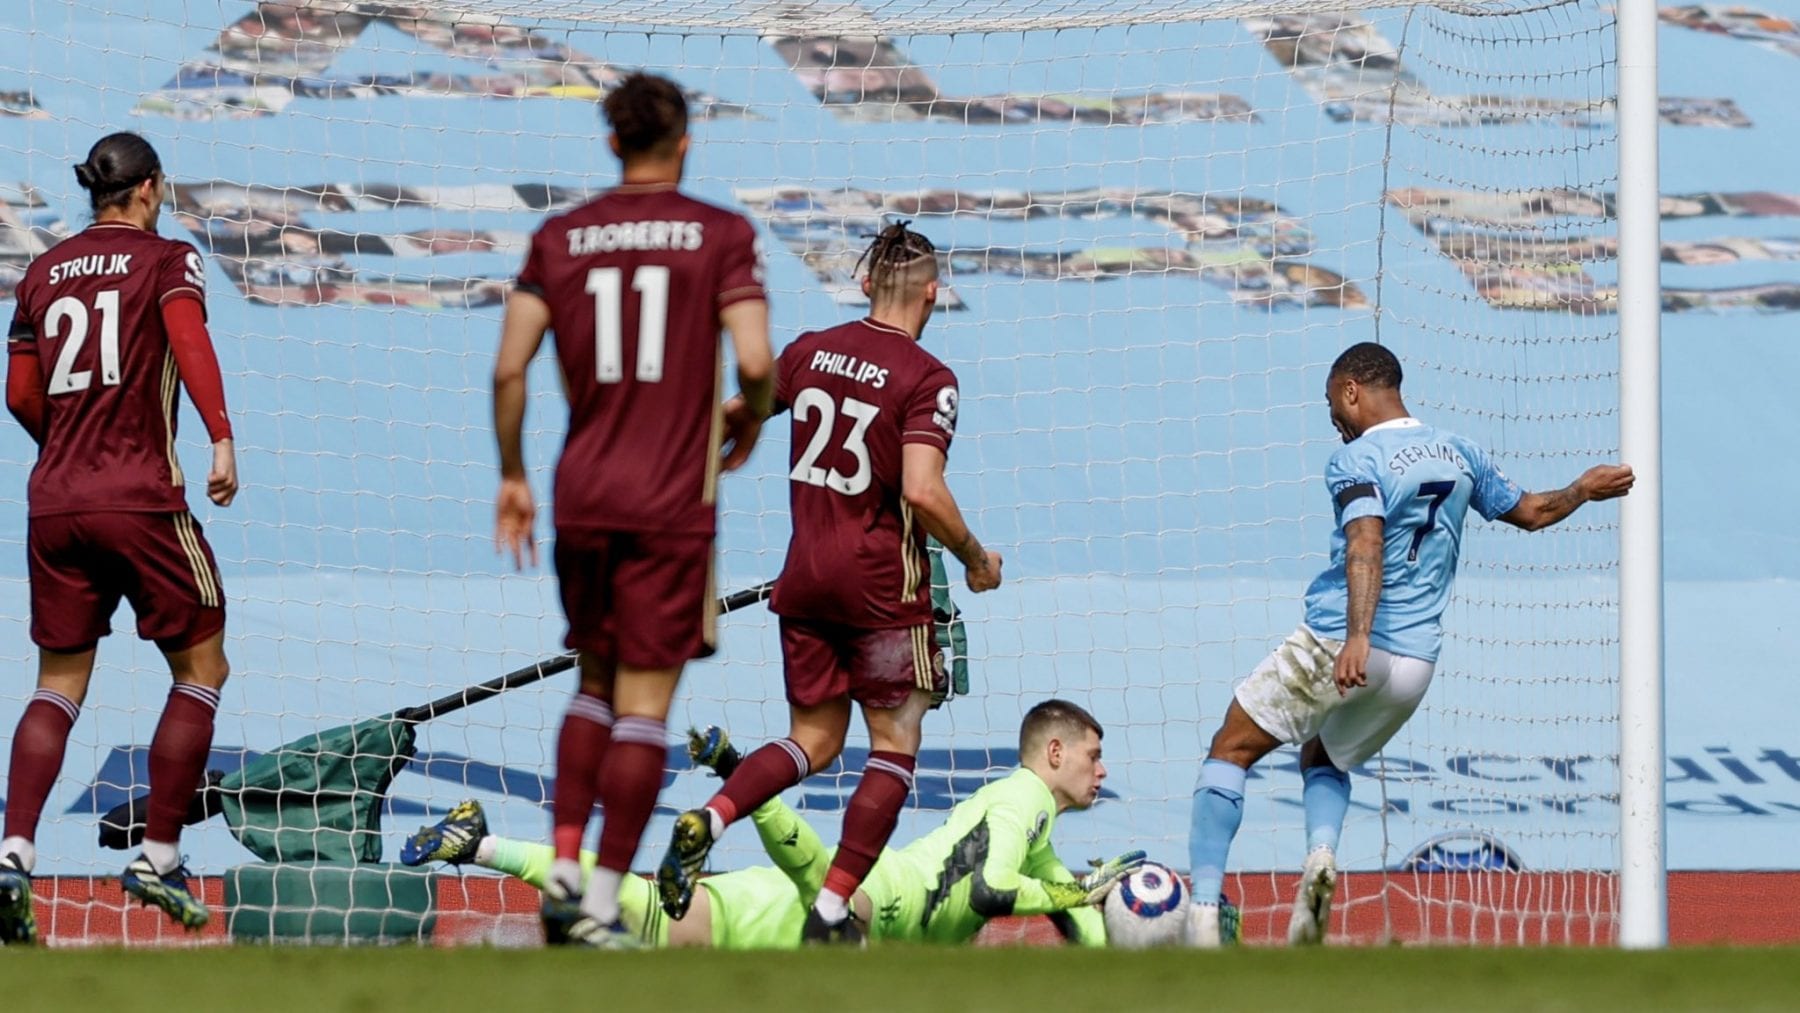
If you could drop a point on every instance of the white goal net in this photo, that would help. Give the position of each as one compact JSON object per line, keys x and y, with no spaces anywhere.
{"x":1160,"y":222}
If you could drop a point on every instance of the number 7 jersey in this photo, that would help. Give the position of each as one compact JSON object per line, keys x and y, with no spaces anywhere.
{"x":859,"y":392}
{"x":90,"y":310}
{"x":1421,"y":481}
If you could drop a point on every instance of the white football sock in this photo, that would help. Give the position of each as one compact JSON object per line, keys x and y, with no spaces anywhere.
{"x":566,"y":873}
{"x":715,"y":822}
{"x":601,"y":902}
{"x":163,"y":855}
{"x":832,"y":906}
{"x":484,"y":850}
{"x":21,"y":849}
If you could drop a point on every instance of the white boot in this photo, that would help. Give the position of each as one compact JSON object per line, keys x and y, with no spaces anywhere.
{"x":1203,"y":927}
{"x":1312,"y":903}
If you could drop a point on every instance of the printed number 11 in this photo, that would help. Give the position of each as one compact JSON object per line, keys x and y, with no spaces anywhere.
{"x":651,"y":283}
{"x":1437,"y":492}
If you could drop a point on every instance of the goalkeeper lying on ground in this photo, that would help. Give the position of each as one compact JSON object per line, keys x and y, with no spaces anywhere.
{"x":992,"y":857}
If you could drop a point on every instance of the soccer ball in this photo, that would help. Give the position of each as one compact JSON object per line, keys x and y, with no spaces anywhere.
{"x":1148,"y":908}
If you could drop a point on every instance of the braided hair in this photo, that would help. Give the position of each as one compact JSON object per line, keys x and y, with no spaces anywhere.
{"x":898,"y":259}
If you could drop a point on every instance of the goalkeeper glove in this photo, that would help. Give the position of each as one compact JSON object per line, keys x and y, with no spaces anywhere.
{"x":1107,"y":874}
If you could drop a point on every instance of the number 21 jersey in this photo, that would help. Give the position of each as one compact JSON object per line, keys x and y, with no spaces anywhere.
{"x":1421,"y":481}
{"x":91,"y":311}
{"x":859,"y":392}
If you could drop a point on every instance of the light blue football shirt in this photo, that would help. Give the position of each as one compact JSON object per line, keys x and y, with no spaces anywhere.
{"x":1421,"y":480}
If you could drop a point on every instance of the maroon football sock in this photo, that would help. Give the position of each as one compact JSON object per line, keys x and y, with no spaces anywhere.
{"x":631,"y":777}
{"x":869,"y":820}
{"x":760,"y":777}
{"x":586,"y":730}
{"x":37,"y":757}
{"x":178,"y":758}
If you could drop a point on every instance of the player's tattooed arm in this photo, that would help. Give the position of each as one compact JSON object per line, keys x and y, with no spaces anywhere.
{"x":1362,"y":576}
{"x":970,"y":552}
{"x":1537,"y":510}
{"x":1362,"y":572}
{"x":923,"y":488}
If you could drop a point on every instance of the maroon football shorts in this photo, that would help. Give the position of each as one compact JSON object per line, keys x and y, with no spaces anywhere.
{"x":82,"y":564}
{"x":875,"y":667}
{"x":637,"y":599}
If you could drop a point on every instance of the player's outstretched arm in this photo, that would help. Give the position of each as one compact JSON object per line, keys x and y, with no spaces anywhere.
{"x":923,"y":487}
{"x":1003,"y":883}
{"x":748,"y":322}
{"x":521,"y":332}
{"x":184,"y":320}
{"x":1538,"y":510}
{"x":1082,"y":925}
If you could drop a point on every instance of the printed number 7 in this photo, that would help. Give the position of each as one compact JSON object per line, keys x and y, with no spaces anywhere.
{"x":1438,"y":492}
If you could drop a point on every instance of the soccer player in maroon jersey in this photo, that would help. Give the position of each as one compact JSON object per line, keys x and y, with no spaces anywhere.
{"x":107,"y":322}
{"x":873,"y":417}
{"x":637,"y":285}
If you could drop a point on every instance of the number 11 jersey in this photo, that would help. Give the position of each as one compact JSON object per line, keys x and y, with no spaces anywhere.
{"x":635,"y":280}
{"x":1421,"y":481}
{"x":859,"y":392}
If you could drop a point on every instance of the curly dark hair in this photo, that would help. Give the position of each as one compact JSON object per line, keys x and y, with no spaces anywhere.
{"x":1370,"y":365}
{"x":646,"y":112}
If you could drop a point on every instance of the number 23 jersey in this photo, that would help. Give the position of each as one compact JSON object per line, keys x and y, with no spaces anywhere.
{"x":1421,"y":481}
{"x":859,"y":392}
{"x":91,"y":311}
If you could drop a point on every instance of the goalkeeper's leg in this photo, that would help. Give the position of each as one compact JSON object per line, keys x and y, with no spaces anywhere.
{"x":794,"y":846}
{"x":749,"y":783}
{"x":532,"y":863}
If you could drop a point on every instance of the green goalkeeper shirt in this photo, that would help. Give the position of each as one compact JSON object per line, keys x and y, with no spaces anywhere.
{"x":991,"y":858}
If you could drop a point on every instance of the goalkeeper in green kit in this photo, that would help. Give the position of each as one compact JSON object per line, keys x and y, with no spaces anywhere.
{"x":991,"y":858}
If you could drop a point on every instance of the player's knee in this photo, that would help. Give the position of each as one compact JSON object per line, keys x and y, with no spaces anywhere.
{"x":203,"y":665}
{"x":820,"y":747}
{"x":1230,"y":745}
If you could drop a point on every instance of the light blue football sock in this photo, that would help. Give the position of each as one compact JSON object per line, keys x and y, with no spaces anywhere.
{"x":1218,"y":812}
{"x":1326,"y":795}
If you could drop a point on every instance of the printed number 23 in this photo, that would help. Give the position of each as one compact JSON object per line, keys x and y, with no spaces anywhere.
{"x":1437,"y":492}
{"x":651,"y":283}
{"x":813,"y":401}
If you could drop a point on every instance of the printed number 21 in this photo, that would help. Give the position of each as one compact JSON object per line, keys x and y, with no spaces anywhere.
{"x":68,"y":318}
{"x":1437,"y":492}
{"x":651,"y":283}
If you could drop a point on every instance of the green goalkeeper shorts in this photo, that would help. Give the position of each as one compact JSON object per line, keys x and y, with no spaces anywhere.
{"x":755,"y":909}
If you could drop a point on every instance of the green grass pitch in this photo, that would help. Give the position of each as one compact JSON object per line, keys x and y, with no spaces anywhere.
{"x":386,"y":980}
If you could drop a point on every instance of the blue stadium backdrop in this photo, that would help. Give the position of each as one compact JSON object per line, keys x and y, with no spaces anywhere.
{"x":1149,"y":275}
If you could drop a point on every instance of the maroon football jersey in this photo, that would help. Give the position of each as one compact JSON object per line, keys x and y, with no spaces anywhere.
{"x":635,"y":280}
{"x":858,"y":392}
{"x":91,"y":309}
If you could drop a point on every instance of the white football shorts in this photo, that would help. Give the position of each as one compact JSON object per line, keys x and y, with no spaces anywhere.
{"x":1293,"y":696}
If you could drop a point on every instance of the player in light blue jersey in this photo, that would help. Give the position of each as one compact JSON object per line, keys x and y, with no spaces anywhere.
{"x":1344,"y":682}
